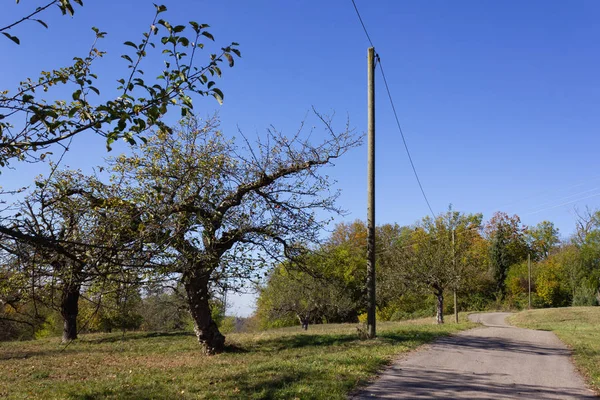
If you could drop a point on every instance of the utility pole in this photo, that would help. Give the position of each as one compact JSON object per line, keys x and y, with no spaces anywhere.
{"x":456,"y":283}
{"x":529,"y":276}
{"x":371,"y":331}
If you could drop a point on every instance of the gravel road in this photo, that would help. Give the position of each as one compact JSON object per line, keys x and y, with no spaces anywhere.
{"x":495,"y":361}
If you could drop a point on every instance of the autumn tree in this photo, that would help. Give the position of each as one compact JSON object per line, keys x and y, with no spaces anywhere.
{"x":224,"y":212}
{"x":542,"y":239}
{"x":507,"y":246}
{"x":309,"y":295}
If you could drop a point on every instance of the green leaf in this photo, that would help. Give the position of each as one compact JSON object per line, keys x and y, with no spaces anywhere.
{"x":195,"y":26}
{"x":160,"y":8}
{"x":128,"y":43}
{"x":208,"y":35}
{"x":41,"y":23}
{"x":125,"y":56}
{"x":218,"y":95}
{"x":11,"y":37}
{"x":229,"y":58}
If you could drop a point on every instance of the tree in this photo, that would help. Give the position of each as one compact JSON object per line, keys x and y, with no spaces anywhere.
{"x":92,"y":237}
{"x":31,"y":121}
{"x":508,"y":246}
{"x":221,"y":212}
{"x":542,"y":239}
{"x":35,"y":119}
{"x":291,"y":294}
{"x":432,"y":261}
{"x":587,"y":239}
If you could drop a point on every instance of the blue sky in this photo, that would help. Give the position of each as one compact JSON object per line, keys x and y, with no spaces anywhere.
{"x":498,"y":100}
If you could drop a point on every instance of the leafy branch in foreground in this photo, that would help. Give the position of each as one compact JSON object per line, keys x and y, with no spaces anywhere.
{"x":31,"y":123}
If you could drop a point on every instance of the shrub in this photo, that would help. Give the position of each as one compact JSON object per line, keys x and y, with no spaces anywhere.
{"x":585,"y":296}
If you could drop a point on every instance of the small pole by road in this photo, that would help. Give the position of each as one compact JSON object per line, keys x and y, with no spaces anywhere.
{"x":456,"y":283}
{"x":371,"y":331}
{"x":529,"y":276}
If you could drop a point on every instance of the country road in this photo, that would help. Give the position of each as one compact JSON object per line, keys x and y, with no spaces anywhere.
{"x":495,"y":361}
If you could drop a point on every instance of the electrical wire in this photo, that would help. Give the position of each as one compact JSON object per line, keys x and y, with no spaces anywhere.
{"x":387,"y":88}
{"x":412,"y":164}
{"x":362,"y":23}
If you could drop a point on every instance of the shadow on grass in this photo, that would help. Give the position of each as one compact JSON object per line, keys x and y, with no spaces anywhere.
{"x":332,"y":340}
{"x":243,"y":386}
{"x":136,"y":336}
{"x":70,"y":349}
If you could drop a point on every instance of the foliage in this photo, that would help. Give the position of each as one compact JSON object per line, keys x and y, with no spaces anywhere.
{"x":434,"y":261}
{"x":507,"y":246}
{"x":293,"y":294}
{"x":92,"y":234}
{"x":542,"y":239}
{"x":164,"y":309}
{"x":585,"y":296}
{"x":32,"y":120}
{"x":551,"y":284}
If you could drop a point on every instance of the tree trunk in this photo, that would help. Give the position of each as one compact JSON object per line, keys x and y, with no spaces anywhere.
{"x":206,"y":329}
{"x":69,"y":308}
{"x":440,"y":307}
{"x":303,"y":321}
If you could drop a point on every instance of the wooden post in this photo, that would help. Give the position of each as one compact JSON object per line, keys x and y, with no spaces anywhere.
{"x":371,"y":330}
{"x":529,"y":276}
{"x":455,"y":284}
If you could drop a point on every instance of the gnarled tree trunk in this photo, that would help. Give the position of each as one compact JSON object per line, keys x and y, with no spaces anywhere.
{"x":196,"y":287}
{"x":69,"y":308}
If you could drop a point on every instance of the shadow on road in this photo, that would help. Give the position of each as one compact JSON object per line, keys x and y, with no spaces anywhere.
{"x":475,"y":343}
{"x":417,"y":383}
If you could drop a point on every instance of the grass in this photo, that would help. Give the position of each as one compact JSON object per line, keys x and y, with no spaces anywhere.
{"x":578,"y":327}
{"x":327,"y":362}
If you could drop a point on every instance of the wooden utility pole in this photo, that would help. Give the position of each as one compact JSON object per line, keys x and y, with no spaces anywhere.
{"x":529,"y":276}
{"x":456,"y":283}
{"x":371,"y":331}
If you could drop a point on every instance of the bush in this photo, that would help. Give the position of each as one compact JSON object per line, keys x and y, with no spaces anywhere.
{"x":228,"y":325}
{"x":585,"y":296}
{"x":551,"y":284}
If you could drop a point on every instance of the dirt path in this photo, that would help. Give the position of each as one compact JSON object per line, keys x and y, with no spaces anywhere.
{"x":496,"y":361}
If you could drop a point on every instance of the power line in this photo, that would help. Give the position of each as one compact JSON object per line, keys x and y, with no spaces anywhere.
{"x":412,"y":164}
{"x":362,"y":23}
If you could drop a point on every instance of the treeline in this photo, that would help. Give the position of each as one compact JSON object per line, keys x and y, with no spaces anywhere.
{"x":420,"y":267}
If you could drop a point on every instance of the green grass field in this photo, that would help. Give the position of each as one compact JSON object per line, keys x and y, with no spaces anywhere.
{"x":327,"y":362}
{"x":578,"y":327}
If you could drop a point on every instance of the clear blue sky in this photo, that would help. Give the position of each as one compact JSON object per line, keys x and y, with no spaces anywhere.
{"x":499,"y":101}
